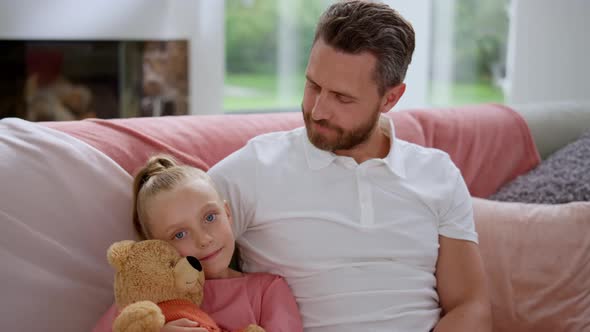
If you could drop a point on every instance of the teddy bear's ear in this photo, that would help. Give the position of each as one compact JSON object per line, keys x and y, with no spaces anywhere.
{"x":118,"y":252}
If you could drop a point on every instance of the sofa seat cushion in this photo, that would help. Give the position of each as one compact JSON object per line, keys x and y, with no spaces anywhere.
{"x":537,"y":260}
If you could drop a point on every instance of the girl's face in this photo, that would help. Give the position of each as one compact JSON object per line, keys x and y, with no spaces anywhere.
{"x":194,"y":219}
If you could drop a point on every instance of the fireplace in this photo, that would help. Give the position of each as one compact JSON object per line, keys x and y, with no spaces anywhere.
{"x":55,"y":80}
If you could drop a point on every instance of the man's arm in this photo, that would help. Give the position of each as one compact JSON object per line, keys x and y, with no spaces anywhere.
{"x":462,"y":288}
{"x":235,"y":179}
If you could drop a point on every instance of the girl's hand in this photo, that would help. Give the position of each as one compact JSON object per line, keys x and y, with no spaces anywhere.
{"x":182,"y":325}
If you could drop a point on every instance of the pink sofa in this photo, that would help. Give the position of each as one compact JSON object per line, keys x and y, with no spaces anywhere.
{"x":536,"y":256}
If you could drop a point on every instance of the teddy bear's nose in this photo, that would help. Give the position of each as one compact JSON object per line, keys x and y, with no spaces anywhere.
{"x":194,"y":263}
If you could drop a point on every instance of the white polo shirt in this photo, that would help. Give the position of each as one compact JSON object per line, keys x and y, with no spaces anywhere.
{"x":358,"y":244}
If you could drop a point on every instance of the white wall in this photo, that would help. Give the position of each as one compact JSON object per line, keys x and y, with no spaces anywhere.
{"x":548,"y":51}
{"x":442,"y":51}
{"x":419,"y":13}
{"x":200,"y":22}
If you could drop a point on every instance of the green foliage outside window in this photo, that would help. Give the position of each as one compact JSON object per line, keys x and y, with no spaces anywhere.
{"x":480,"y":33}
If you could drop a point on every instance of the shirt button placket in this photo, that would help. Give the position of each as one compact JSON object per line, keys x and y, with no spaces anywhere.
{"x":364,"y":196}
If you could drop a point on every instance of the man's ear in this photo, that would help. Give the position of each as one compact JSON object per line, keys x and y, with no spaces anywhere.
{"x":392,"y":96}
{"x":118,"y":253}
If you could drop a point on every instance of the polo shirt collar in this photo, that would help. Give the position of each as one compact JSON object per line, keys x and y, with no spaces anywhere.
{"x":318,"y":159}
{"x":395,"y":158}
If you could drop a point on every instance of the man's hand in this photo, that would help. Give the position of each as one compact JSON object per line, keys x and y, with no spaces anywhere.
{"x":182,"y":325}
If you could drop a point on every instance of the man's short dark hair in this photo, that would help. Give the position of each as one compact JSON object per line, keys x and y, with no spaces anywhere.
{"x":360,"y":26}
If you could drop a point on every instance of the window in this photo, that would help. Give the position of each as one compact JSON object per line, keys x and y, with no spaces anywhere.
{"x":266,"y":48}
{"x":268,"y":42}
{"x":459,"y":56}
{"x":468,"y":58}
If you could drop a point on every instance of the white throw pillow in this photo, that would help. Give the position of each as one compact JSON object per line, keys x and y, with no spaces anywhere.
{"x":62,"y":203}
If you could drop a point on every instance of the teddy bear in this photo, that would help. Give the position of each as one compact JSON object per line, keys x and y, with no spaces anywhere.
{"x":154,"y":285}
{"x":57,"y":100}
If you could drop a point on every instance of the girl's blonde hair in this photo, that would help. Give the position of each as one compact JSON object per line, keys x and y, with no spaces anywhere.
{"x":160,"y":173}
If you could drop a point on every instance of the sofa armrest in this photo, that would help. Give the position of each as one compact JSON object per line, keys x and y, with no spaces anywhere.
{"x":553,"y":125}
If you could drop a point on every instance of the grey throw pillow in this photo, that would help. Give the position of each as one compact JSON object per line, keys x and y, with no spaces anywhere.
{"x":563,"y":177}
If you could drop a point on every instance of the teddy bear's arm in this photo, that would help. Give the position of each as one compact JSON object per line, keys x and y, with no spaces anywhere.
{"x":143,"y":316}
{"x":252,"y":328}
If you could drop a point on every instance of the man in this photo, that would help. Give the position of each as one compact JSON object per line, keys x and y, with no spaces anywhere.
{"x":372,"y":233}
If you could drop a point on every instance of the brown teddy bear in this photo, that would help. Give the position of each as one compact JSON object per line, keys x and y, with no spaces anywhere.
{"x":57,"y":100}
{"x":155,"y":285}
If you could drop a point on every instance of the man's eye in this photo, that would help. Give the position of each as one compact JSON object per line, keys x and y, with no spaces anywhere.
{"x":313,"y":86}
{"x":210,"y":217}
{"x":343,"y":99}
{"x":180,"y":235}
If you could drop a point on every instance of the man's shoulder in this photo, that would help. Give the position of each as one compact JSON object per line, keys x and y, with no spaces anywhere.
{"x":276,"y":138}
{"x":261,"y":150}
{"x":428,"y":164}
{"x":416,"y":152}
{"x":276,"y":145}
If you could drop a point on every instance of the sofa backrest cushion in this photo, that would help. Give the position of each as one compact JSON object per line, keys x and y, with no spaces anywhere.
{"x":490,"y":143}
{"x":555,"y":124}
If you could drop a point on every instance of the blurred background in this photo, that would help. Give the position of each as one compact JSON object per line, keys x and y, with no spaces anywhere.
{"x":69,"y":60}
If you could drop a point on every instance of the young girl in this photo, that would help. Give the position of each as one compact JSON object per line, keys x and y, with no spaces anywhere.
{"x":179,"y":204}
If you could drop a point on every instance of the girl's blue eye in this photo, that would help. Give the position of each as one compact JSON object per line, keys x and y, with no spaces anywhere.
{"x":210,"y":217}
{"x":180,"y":235}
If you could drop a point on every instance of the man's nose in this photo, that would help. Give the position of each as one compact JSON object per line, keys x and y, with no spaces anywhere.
{"x":320,"y":110}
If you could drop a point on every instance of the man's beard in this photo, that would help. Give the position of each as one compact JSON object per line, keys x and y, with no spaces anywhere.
{"x":343,"y":140}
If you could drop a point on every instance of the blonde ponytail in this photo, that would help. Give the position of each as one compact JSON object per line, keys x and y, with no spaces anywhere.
{"x":155,"y":166}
